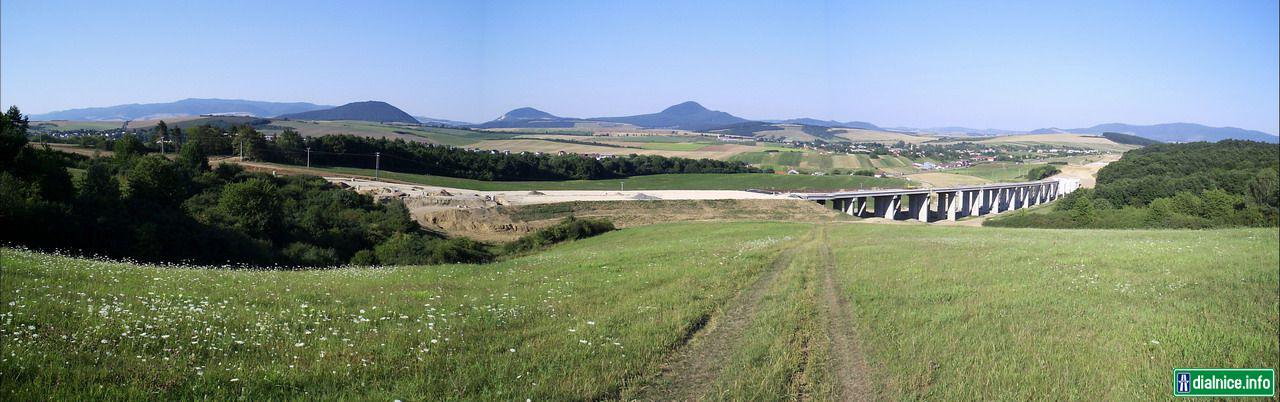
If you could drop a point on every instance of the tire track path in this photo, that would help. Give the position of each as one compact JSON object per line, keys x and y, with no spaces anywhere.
{"x":849,"y":366}
{"x":696,"y":366}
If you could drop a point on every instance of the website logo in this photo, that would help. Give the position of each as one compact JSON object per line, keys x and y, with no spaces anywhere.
{"x":1220,"y":382}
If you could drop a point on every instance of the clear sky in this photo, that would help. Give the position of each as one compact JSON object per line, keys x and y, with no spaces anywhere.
{"x":1013,"y":65}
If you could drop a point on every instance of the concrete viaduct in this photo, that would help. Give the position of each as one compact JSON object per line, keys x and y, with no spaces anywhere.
{"x":933,"y":204}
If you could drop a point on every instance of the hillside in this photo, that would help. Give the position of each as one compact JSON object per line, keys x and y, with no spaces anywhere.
{"x":1129,"y":139}
{"x":527,"y":117}
{"x":1179,"y":132}
{"x":185,"y":107}
{"x":609,"y":317}
{"x":374,"y":111}
{"x":829,"y":123}
{"x":685,"y":116}
{"x":441,"y":122}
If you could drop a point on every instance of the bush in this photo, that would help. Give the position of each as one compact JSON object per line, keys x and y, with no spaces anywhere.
{"x":364,"y":258}
{"x":1042,"y":172}
{"x":308,"y":254}
{"x":568,"y":229}
{"x":410,"y":249}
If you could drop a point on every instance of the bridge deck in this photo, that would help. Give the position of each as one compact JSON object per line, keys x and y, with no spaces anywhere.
{"x":907,"y":191}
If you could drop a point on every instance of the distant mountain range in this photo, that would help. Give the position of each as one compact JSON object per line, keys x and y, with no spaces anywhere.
{"x":440,"y":122}
{"x":684,"y":116}
{"x":185,"y":107}
{"x":365,"y":111}
{"x":828,"y":123}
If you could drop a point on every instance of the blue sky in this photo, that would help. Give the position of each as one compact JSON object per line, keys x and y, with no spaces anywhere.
{"x":1014,"y":65}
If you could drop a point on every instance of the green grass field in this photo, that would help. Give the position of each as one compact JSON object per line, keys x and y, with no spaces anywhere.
{"x":674,"y":146}
{"x":68,"y":125}
{"x":999,"y":171}
{"x":733,"y":311}
{"x":669,"y":139}
{"x":693,"y":181}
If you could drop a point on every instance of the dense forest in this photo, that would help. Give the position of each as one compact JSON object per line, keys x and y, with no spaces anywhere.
{"x":148,"y":207}
{"x":1194,"y":185}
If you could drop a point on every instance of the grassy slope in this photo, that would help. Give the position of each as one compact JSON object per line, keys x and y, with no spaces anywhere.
{"x":576,"y":322}
{"x":964,"y":314}
{"x":998,"y":172}
{"x":692,"y":181}
{"x":944,"y":313}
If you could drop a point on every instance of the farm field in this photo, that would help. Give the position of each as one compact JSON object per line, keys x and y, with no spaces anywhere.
{"x":941,"y":179}
{"x":1071,"y":140}
{"x":691,"y":150}
{"x":807,"y":160}
{"x":998,"y":171}
{"x":723,"y":310}
{"x":70,"y":125}
{"x":444,"y":136}
{"x":688,"y":181}
{"x":883,"y":137}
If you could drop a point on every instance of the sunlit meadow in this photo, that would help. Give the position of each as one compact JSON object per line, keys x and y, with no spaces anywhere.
{"x":578,"y":322}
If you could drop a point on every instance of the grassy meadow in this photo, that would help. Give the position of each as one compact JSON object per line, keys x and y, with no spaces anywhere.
{"x":999,"y":171}
{"x":578,"y":322}
{"x":716,"y":310}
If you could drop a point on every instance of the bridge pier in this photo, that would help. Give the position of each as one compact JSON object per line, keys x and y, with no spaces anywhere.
{"x":974,"y":202}
{"x":928,"y":205}
{"x":954,"y":200}
{"x":886,"y":206}
{"x":918,"y":206}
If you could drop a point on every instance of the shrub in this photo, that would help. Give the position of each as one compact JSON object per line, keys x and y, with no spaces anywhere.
{"x":1042,"y":172}
{"x":568,"y":229}
{"x":309,"y":254}
{"x":364,"y":258}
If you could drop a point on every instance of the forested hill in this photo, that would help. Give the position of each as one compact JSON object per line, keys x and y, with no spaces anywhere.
{"x":1121,"y":138}
{"x":374,"y":111}
{"x":1193,"y":185}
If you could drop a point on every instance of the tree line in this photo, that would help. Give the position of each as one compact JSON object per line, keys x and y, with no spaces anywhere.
{"x":414,"y":157}
{"x":1194,"y":185}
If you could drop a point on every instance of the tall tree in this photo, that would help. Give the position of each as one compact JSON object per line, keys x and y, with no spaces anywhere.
{"x":162,"y":134}
{"x":13,"y":135}
{"x":249,"y":142}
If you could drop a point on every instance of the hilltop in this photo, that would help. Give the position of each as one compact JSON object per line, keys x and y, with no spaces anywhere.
{"x":684,"y":116}
{"x":527,"y":117}
{"x":185,"y":107}
{"x":375,"y":111}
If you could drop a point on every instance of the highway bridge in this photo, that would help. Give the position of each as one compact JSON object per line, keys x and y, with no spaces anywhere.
{"x":935,"y":204}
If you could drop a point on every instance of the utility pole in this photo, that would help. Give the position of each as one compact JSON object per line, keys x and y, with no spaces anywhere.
{"x":377,"y":164}
{"x":308,"y":156}
{"x":242,"y":150}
